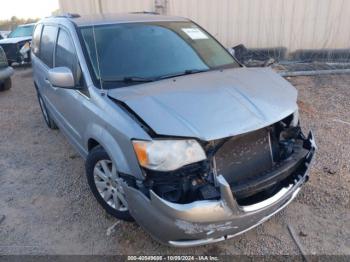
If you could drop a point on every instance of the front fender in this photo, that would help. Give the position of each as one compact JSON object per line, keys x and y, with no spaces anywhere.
{"x":121,"y":153}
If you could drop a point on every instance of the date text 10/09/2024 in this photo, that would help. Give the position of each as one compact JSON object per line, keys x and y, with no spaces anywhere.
{"x":172,"y":258}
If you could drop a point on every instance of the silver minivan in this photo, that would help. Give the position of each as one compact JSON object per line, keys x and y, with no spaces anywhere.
{"x":176,"y":134}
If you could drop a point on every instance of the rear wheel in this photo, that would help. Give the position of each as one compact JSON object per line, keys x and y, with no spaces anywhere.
{"x":5,"y":84}
{"x":49,"y":121}
{"x":106,"y":184}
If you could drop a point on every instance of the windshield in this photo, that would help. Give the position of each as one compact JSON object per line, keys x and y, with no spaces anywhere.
{"x":22,"y":31}
{"x":124,"y":54}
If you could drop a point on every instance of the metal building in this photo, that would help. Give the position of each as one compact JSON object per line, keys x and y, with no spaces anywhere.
{"x":293,"y":25}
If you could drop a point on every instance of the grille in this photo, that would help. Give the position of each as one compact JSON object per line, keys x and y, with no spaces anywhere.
{"x":244,"y":156}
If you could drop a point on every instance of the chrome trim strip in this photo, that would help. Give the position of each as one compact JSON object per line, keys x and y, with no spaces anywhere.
{"x":270,"y":145}
{"x":215,"y":172}
{"x":267,"y":202}
{"x":82,"y":94}
{"x":193,"y":243}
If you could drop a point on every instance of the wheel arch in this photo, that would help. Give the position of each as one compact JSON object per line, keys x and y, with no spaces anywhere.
{"x":122,"y":156}
{"x":92,"y":143}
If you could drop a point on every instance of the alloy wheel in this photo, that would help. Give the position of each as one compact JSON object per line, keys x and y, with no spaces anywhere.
{"x":109,"y":185}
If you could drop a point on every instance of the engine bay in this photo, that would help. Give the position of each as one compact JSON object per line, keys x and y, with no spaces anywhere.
{"x":255,"y":164}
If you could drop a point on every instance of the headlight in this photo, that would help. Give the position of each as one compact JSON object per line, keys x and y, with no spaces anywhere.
{"x":295,"y":120}
{"x":168,"y":155}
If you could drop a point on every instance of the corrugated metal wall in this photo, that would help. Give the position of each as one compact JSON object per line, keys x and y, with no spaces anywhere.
{"x":84,"y":7}
{"x":109,"y":6}
{"x":294,"y":24}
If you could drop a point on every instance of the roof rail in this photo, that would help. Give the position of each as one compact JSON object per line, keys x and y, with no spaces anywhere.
{"x":68,"y":15}
{"x":145,"y":12}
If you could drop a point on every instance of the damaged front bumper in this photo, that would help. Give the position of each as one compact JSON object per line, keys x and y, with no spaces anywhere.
{"x":210,"y":221}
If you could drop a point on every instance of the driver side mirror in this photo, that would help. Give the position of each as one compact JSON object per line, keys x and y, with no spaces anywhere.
{"x":61,"y":77}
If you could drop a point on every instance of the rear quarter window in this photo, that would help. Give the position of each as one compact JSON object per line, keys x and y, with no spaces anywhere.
{"x":47,"y":44}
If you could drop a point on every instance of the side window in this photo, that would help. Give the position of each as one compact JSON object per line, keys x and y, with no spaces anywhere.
{"x":66,"y":55}
{"x":36,"y":39}
{"x":47,"y":45}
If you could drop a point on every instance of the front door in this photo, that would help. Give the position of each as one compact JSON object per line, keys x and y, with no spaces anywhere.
{"x":69,"y":104}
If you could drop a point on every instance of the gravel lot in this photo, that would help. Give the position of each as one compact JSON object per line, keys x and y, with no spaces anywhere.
{"x":46,"y":206}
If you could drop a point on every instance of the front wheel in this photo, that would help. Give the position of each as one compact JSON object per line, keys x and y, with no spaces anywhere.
{"x":106,"y":184}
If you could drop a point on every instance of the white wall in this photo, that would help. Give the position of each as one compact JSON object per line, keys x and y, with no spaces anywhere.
{"x":84,"y":7}
{"x":294,"y":24}
{"x":110,"y":6}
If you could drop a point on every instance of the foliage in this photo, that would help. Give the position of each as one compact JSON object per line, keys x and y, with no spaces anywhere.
{"x":9,"y":25}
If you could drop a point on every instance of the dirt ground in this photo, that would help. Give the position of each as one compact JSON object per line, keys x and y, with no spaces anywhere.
{"x":46,"y":206}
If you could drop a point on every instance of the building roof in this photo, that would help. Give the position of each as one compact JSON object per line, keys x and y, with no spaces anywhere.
{"x":122,"y":18}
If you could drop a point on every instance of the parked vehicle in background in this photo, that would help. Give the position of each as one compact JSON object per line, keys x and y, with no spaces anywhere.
{"x":17,"y":44}
{"x":5,"y":72}
{"x":176,"y":134}
{"x":4,"y":34}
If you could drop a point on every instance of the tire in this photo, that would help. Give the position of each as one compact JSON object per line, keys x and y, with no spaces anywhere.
{"x":46,"y":115}
{"x":5,"y":84}
{"x":106,"y":192}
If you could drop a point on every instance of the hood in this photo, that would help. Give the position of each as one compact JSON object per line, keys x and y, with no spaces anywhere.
{"x":15,"y":40}
{"x":211,"y":105}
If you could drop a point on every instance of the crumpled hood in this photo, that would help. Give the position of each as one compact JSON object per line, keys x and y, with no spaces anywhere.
{"x":15,"y":40}
{"x":211,"y":105}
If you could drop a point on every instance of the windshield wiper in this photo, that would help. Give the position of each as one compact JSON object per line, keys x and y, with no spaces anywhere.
{"x":128,"y":79}
{"x":186,"y":72}
{"x":136,"y":79}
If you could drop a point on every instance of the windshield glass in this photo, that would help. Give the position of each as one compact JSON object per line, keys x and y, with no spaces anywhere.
{"x":22,"y":31}
{"x":123,"y":54}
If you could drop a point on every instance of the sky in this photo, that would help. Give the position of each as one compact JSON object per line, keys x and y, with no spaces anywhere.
{"x":27,"y":8}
